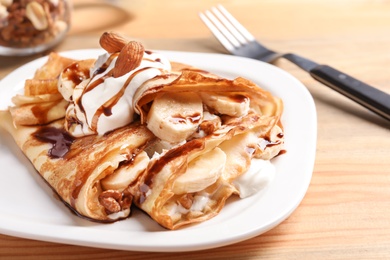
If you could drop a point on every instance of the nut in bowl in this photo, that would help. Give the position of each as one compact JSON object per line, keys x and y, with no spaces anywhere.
{"x":32,"y":26}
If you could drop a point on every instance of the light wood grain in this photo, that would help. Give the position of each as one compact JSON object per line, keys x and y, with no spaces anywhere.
{"x":346,"y":211}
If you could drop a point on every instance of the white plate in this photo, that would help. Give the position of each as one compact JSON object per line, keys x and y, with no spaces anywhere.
{"x":28,"y":208}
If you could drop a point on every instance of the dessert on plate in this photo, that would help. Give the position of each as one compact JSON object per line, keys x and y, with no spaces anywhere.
{"x":133,"y":128}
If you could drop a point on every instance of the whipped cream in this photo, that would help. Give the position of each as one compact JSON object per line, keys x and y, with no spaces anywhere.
{"x":102,"y":103}
{"x":259,"y":175}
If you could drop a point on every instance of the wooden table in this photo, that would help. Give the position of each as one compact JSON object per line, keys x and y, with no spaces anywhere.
{"x":346,"y":211}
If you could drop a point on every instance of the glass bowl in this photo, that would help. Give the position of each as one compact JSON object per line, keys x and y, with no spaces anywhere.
{"x":32,"y":26}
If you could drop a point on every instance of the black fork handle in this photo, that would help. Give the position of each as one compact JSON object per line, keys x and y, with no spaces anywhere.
{"x":374,"y":99}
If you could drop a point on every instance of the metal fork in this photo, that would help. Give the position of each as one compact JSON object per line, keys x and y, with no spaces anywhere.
{"x":240,"y":42}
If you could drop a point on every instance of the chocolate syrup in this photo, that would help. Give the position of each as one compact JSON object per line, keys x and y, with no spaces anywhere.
{"x":75,"y":74}
{"x":100,"y":70}
{"x":266,"y":142}
{"x":107,"y":111}
{"x":60,"y":139}
{"x":104,"y":67}
{"x":73,"y":120}
{"x":179,"y":119}
{"x":106,"y":108}
{"x":90,"y":87}
{"x":158,"y":165}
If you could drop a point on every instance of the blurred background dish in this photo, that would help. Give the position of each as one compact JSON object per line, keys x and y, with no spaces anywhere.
{"x":32,"y":26}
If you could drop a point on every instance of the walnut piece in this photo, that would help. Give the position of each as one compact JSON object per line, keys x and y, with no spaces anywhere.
{"x":114,"y":201}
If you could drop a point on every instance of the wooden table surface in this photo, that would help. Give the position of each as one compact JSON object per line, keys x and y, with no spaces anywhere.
{"x":346,"y":211}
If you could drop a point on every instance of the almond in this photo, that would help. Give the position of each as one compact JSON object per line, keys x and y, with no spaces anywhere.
{"x":112,"y":42}
{"x":128,"y":59}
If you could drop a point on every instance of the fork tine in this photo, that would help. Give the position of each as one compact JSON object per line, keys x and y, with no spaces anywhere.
{"x":233,"y":30}
{"x":222,"y":28}
{"x":236,"y":24}
{"x":221,"y":38}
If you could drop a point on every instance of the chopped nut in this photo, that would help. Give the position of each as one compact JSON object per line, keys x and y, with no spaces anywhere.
{"x":110,"y":200}
{"x":3,"y":12}
{"x":49,"y":18}
{"x":6,"y":3}
{"x":114,"y":201}
{"x":110,"y":204}
{"x":60,"y":26}
{"x":126,"y":201}
{"x":54,"y":2}
{"x":186,"y":201}
{"x":37,"y":15}
{"x":22,"y":28}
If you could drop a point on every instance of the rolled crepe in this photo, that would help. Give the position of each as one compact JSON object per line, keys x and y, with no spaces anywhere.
{"x":261,"y":102}
{"x":174,"y":201}
{"x":90,"y":173}
{"x":82,"y":171}
{"x":191,"y":182}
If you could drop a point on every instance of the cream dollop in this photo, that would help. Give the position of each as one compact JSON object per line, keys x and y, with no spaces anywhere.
{"x":102,"y":103}
{"x":259,"y":175}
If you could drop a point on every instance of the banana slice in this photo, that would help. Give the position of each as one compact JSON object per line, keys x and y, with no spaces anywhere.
{"x":126,"y":174}
{"x":202,"y":172}
{"x":173,"y":117}
{"x":234,"y":105}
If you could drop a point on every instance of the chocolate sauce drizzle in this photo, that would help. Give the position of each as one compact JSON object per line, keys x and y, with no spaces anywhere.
{"x":106,"y":108}
{"x":180,"y":119}
{"x":75,"y":74}
{"x":59,"y":138}
{"x":164,"y":160}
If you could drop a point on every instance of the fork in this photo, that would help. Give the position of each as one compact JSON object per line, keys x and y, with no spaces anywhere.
{"x":238,"y":41}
